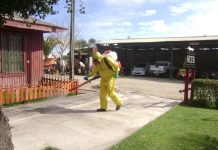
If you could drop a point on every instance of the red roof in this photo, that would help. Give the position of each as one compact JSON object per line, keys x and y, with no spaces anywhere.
{"x":39,"y":25}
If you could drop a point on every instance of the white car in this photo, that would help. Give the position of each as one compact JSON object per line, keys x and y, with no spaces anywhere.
{"x":141,"y":69}
{"x":160,"y":68}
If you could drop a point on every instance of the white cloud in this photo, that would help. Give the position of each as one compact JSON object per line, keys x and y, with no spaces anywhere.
{"x":103,"y":24}
{"x":133,"y":2}
{"x":125,"y":23}
{"x":106,"y":30}
{"x":149,"y":12}
{"x":201,"y":19}
{"x":154,"y":26}
{"x":175,"y":10}
{"x":110,"y":24}
{"x":124,"y":2}
{"x":201,"y":22}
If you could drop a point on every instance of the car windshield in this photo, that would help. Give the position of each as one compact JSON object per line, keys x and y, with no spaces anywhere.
{"x":140,"y":65}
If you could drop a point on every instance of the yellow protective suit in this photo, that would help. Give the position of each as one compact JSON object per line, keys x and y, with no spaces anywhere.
{"x":107,"y":83}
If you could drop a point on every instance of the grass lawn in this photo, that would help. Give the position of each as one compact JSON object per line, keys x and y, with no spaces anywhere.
{"x":182,"y":128}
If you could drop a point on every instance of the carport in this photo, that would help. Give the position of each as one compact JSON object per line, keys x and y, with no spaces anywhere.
{"x":133,"y":51}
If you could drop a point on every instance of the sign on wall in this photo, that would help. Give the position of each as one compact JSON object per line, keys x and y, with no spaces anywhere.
{"x":190,"y":59}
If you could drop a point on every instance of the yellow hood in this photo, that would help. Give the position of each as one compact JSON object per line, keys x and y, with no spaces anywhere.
{"x":97,"y":56}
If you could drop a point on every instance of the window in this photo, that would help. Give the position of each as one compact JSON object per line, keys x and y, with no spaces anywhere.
{"x":12,"y":54}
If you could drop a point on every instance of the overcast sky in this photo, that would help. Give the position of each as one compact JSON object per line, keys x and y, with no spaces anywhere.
{"x":118,"y":19}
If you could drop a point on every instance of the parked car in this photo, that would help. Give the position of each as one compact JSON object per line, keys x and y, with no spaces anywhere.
{"x":161,"y":68}
{"x":141,"y":69}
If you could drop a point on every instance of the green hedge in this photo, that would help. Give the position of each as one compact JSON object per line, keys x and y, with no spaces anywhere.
{"x":204,"y":93}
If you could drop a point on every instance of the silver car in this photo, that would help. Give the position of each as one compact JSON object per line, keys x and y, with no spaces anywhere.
{"x":141,"y":69}
{"x":160,"y":68}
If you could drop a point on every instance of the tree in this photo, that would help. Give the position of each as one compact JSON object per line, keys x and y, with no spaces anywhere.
{"x":91,"y":42}
{"x":38,"y":9}
{"x":63,"y":45}
{"x":128,"y":37}
{"x":26,"y":8}
{"x":81,"y":45}
{"x":49,"y":43}
{"x":61,"y":49}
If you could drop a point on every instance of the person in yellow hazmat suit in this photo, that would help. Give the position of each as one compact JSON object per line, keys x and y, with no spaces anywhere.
{"x":108,"y":70}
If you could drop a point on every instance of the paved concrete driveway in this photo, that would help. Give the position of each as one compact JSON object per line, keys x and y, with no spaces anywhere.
{"x":70,"y":123}
{"x":159,"y":87}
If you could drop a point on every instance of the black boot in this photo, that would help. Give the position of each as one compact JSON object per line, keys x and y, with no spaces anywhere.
{"x":101,"y":110}
{"x":118,"y":107}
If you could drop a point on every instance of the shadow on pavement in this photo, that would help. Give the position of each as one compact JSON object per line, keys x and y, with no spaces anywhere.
{"x":158,"y":105}
{"x":58,"y":110}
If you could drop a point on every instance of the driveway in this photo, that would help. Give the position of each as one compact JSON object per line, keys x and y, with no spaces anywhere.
{"x":70,"y":123}
{"x":160,"y":87}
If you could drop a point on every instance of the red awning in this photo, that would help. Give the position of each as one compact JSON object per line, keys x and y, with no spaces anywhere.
{"x":37,"y":25}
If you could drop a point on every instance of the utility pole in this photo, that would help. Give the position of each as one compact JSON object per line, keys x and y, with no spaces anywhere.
{"x":72,"y":39}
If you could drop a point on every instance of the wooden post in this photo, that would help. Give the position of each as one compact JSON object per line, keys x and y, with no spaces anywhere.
{"x":65,"y":87}
{"x":1,"y":96}
{"x":72,"y":89}
{"x":31,"y":92}
{"x":43,"y":91}
{"x":47,"y":90}
{"x":186,"y":86}
{"x":35,"y":91}
{"x":77,"y":83}
{"x":58,"y":89}
{"x":27,"y":93}
{"x":68,"y":88}
{"x":54,"y":88}
{"x":21,"y":93}
{"x":39,"y":92}
{"x":17,"y":93}
{"x":12,"y":95}
{"x":6,"y":95}
{"x":50,"y":90}
{"x":61,"y":88}
{"x":74,"y":85}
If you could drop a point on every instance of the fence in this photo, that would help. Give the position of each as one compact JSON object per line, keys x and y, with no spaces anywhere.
{"x":55,"y":77}
{"x":48,"y":87}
